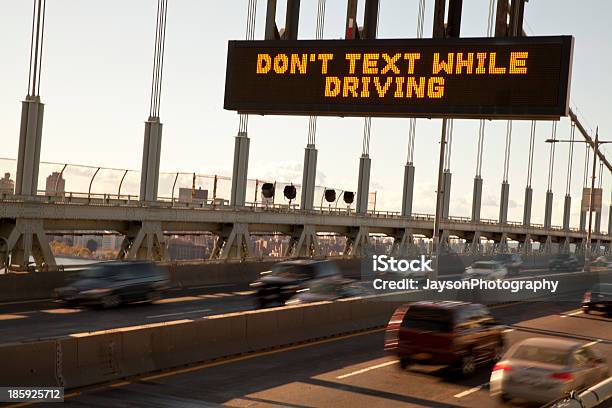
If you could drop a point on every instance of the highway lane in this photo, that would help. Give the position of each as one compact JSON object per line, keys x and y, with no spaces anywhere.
{"x":352,"y":371}
{"x":29,"y":321}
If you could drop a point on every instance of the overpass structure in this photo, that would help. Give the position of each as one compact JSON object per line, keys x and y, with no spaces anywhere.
{"x":26,"y":218}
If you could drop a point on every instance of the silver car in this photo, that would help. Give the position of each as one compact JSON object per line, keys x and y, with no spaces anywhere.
{"x":545,"y":369}
{"x":487,"y":270}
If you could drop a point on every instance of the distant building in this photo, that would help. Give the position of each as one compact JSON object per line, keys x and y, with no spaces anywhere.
{"x":7,"y":186}
{"x":189,"y":195}
{"x":55,"y":184}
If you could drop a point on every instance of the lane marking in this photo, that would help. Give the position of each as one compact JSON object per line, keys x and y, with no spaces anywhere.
{"x":507,"y":330}
{"x":178,"y":313}
{"x":577,"y":312}
{"x":365,"y":370}
{"x":471,"y":390}
{"x":592,"y":343}
{"x":11,"y":317}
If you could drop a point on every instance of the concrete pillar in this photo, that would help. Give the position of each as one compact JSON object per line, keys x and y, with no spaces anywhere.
{"x":233,"y":242}
{"x":27,"y":239}
{"x":240,"y":170}
{"x":309,"y":177}
{"x":292,"y":20}
{"x":271,"y":30}
{"x":28,"y":156}
{"x":548,"y":209}
{"x":145,"y":241}
{"x":363,"y":186}
{"x":408,"y":191}
{"x":583,"y":220}
{"x":446,"y":194}
{"x":477,"y":199}
{"x":527,"y":206}
{"x":610,"y":221}
{"x":151,"y":152}
{"x":597,"y":225}
{"x":503,"y":202}
{"x":358,"y":242}
{"x":567,"y":208}
{"x":303,"y":242}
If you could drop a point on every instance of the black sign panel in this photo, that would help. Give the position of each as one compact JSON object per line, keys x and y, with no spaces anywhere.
{"x":518,"y":78}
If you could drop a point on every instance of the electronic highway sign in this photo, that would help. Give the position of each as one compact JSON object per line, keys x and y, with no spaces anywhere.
{"x":521,"y":78}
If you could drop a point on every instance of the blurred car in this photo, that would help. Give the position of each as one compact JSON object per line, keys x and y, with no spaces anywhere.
{"x":490,"y":270}
{"x":601,"y":264}
{"x":599,"y":298}
{"x":564,"y":262}
{"x":285,"y":279}
{"x":327,"y":291}
{"x":113,"y":283}
{"x":458,"y":334}
{"x":512,"y":262}
{"x":541,"y":370}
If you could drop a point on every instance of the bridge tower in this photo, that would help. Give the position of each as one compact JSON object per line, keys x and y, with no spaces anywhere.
{"x":27,"y":237}
{"x":149,"y":175}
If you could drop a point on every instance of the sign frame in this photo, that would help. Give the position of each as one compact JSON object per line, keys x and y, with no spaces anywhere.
{"x":418,"y":111}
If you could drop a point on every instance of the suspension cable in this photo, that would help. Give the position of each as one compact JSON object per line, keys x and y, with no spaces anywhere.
{"x":551,"y":160}
{"x":36,"y":47}
{"x":480,"y":146}
{"x":367,"y":128}
{"x":507,"y":150}
{"x":412,"y":126}
{"x":449,"y":143}
{"x":312,"y":121}
{"x":158,"y":57}
{"x":243,"y":121}
{"x":570,"y":159}
{"x":587,"y":158}
{"x":531,"y":152}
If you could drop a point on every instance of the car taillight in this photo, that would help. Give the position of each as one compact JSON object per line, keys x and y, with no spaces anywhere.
{"x":502,"y":367}
{"x":587,"y":297}
{"x":562,"y":376}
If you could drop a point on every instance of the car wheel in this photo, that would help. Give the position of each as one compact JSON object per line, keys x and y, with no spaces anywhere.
{"x":498,"y":352}
{"x":586,"y":310}
{"x":404,"y":362}
{"x":110,"y":301}
{"x":467,"y":365}
{"x":505,"y":398}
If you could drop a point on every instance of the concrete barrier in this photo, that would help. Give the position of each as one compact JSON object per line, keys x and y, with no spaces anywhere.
{"x":79,"y":360}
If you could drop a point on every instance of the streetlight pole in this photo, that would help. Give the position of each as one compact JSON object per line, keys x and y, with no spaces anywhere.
{"x":589,"y":231}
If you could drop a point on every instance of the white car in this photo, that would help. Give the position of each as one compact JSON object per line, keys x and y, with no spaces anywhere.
{"x":490,"y":270}
{"x":541,"y":370}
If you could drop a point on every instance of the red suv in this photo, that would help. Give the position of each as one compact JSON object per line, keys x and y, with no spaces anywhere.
{"x":458,"y":334}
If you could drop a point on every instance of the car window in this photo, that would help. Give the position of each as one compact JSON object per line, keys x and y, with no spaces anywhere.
{"x":292,"y":271}
{"x":428,"y":319}
{"x":580,"y":358}
{"x":326,"y":269}
{"x":100,"y":272}
{"x":540,"y":355}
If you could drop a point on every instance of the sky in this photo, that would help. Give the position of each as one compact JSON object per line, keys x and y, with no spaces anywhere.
{"x":96,"y":88}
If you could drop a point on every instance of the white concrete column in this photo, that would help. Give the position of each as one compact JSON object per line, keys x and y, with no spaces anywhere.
{"x":363,"y":189}
{"x":28,"y":156}
{"x":151,"y":154}
{"x":240,"y":170}
{"x":309,"y":177}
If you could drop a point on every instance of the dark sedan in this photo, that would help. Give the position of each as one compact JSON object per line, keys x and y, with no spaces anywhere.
{"x":285,"y":279}
{"x":113,"y":283}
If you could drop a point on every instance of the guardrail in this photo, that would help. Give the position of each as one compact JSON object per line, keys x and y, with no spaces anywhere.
{"x":220,"y":204}
{"x":592,"y":397}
